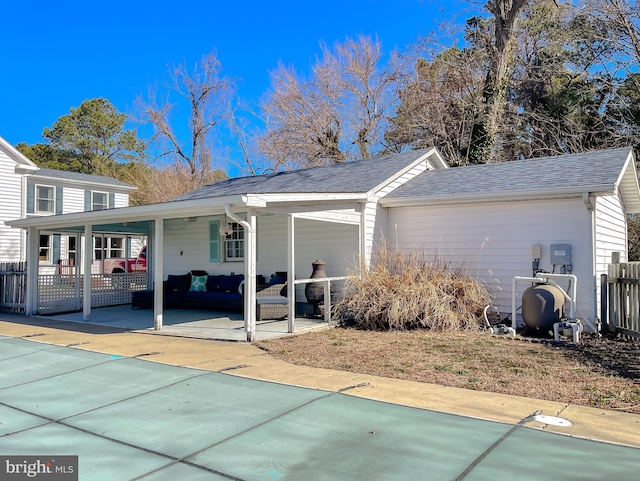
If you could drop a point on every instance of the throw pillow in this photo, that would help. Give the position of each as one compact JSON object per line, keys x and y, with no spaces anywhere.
{"x":198,"y":284}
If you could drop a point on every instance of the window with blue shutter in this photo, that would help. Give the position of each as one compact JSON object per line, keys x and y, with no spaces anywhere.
{"x":214,"y":241}
{"x":87,"y":200}
{"x":56,"y":249}
{"x":112,"y":200}
{"x":31,"y":198}
{"x":58,"y":200}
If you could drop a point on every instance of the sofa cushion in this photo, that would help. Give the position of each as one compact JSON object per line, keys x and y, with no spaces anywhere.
{"x":178,"y":283}
{"x":230,"y":283}
{"x":276,"y":280}
{"x":198,"y":284}
{"x":213,"y":283}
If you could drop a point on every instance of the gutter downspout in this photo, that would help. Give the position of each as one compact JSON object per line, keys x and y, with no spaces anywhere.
{"x":249,"y":273}
{"x":586,"y":198}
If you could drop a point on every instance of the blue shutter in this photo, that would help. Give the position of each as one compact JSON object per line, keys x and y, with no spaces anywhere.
{"x":55,"y":249}
{"x":31,"y":198}
{"x":87,"y":200}
{"x":112,"y":200}
{"x":214,"y":241}
{"x":58,"y":200}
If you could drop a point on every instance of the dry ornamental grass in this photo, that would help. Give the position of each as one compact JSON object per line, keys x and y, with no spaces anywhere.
{"x":405,"y":290}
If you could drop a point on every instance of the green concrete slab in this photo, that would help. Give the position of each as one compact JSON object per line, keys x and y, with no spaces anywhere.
{"x":13,"y":421}
{"x":342,"y":437}
{"x":532,"y":455}
{"x":195,"y":414}
{"x":181,"y":471}
{"x":94,"y":386}
{"x":11,"y":347}
{"x":99,"y":459}
{"x":46,"y":364}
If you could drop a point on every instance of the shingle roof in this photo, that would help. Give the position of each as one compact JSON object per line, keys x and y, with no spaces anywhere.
{"x":78,"y":177}
{"x":573,"y":171}
{"x":350,"y":177}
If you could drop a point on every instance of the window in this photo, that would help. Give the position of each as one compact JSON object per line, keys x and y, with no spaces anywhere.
{"x":45,"y":200}
{"x":45,"y":248}
{"x":115,"y":247}
{"x":71,"y":250}
{"x":99,"y":201}
{"x":234,"y":243}
{"x":98,"y":248}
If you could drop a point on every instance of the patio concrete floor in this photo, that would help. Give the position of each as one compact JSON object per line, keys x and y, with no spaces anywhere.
{"x":189,"y":323}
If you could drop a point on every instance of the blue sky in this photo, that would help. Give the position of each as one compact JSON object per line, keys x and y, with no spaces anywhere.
{"x":54,"y":55}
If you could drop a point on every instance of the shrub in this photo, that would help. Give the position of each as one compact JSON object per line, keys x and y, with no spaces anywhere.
{"x":402,"y":290}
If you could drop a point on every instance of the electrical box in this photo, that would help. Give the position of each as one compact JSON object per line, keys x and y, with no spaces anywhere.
{"x":536,"y":251}
{"x":560,"y":254}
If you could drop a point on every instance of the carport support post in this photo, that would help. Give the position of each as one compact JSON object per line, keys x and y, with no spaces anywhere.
{"x":86,"y":280}
{"x":158,"y":260}
{"x":250,"y":277}
{"x":31,"y":297}
{"x":249,"y":227}
{"x":291,"y":272}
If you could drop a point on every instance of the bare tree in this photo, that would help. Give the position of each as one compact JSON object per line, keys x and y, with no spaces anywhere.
{"x":339,"y":113}
{"x":483,"y":136}
{"x":208,"y":95}
{"x":440,"y":100}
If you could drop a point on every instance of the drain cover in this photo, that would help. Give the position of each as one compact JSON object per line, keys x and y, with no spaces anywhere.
{"x":552,"y":420}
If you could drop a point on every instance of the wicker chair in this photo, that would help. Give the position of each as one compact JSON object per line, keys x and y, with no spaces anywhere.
{"x":272,"y":302}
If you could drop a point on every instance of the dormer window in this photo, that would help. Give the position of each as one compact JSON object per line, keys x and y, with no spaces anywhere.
{"x":45,"y":199}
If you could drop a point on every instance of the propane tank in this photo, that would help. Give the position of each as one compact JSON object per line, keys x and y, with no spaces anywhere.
{"x":542,"y":306}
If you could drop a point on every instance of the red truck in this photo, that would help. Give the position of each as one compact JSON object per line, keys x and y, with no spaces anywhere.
{"x":116,"y":265}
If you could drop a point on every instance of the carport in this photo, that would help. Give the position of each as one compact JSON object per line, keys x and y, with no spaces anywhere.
{"x":150,"y":220}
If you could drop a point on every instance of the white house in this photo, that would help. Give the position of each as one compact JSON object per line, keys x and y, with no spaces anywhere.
{"x":29,"y":192}
{"x":494,"y":219}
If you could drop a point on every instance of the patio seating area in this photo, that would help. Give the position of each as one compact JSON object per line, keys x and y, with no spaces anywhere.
{"x":190,"y":323}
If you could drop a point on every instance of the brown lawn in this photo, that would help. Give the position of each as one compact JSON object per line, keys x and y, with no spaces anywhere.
{"x":602,"y":373}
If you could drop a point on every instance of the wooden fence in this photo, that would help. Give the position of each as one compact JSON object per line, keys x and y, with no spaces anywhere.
{"x":620,"y":298}
{"x":13,"y":286}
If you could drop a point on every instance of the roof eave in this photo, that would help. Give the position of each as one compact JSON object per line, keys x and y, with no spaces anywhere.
{"x":628,"y":186}
{"x":127,"y":187}
{"x":493,"y":197}
{"x":17,"y":156}
{"x":372,"y":192}
{"x":182,"y":208}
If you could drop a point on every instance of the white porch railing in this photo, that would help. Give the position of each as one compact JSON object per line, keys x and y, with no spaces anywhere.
{"x":63,"y":293}
{"x":326,"y":281}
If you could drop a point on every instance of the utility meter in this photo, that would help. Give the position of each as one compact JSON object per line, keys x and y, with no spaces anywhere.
{"x":560,"y":254}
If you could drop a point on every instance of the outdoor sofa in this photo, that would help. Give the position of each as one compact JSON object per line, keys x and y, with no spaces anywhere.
{"x":199,"y":290}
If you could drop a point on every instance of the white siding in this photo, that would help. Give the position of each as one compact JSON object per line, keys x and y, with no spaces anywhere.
{"x":121,"y":200}
{"x":186,"y":247}
{"x":610,"y":236}
{"x":375,"y":217}
{"x":494,"y":241}
{"x":10,"y":209}
{"x":72,"y":200}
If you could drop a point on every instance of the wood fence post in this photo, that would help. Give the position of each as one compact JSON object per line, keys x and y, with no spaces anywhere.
{"x":604,"y":303}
